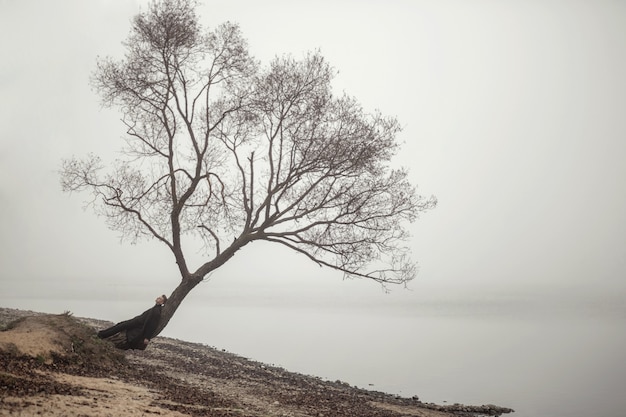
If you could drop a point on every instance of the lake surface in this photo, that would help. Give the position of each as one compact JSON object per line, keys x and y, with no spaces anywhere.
{"x":539,"y":360}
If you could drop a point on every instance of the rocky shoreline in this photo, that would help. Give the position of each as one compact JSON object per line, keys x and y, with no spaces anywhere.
{"x":183,"y":378}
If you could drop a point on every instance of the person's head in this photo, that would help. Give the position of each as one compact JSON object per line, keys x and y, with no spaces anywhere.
{"x":161,"y":299}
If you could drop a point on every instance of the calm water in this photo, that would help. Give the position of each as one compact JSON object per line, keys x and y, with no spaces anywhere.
{"x":541,"y":362}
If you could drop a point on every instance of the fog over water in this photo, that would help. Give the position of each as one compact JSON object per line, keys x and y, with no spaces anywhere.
{"x":513,"y":116}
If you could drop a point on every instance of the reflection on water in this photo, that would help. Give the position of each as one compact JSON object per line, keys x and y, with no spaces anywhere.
{"x":540,"y":360}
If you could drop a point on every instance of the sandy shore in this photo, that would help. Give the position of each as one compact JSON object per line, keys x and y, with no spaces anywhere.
{"x":55,"y":366}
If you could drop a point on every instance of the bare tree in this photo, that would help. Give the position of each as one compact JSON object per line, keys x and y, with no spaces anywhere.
{"x":224,"y":150}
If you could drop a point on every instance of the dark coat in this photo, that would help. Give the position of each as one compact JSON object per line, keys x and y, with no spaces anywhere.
{"x":145,"y":326}
{"x":137,"y":329}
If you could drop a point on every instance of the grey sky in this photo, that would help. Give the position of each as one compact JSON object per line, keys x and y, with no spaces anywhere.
{"x":513,"y":114}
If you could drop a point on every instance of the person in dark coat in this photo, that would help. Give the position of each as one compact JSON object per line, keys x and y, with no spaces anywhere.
{"x":136,"y":332}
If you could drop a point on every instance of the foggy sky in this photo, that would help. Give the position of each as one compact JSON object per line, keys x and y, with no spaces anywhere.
{"x":513,"y":116}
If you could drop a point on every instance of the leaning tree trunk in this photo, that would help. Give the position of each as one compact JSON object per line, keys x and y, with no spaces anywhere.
{"x":189,"y":282}
{"x":175,"y":299}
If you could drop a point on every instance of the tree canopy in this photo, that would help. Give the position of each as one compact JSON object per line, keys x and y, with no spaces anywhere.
{"x":225,"y":150}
